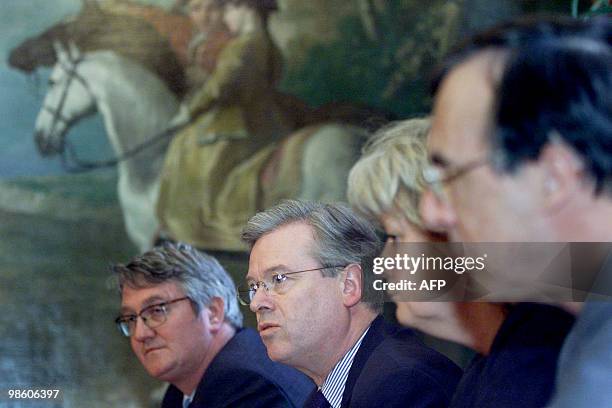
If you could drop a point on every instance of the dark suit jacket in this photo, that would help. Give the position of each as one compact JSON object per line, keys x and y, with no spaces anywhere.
{"x":242,"y":375}
{"x":393,"y":368}
{"x":520,"y":368}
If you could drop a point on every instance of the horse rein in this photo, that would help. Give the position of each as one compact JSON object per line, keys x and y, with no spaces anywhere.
{"x":72,"y":163}
{"x":70,"y":160}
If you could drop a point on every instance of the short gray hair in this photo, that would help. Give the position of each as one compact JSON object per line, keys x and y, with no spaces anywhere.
{"x":341,"y":237}
{"x":200,"y":275}
{"x":389,"y":175}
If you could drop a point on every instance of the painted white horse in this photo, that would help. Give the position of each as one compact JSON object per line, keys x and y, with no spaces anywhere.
{"x":136,"y":105}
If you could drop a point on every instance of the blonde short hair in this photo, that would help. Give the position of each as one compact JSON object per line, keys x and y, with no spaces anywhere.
{"x":388,"y":176}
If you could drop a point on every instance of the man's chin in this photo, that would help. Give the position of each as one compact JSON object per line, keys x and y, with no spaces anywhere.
{"x":157,"y":367}
{"x":162,"y":373}
{"x":276,"y":353}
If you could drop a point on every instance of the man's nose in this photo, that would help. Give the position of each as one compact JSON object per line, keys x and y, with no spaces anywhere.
{"x":436,"y":213}
{"x":142,"y":332}
{"x":261,"y":300}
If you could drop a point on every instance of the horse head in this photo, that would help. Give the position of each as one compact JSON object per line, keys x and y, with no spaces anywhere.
{"x":68,"y":100}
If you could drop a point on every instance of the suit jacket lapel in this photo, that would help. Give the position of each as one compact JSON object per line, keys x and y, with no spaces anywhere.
{"x":173,"y":397}
{"x":373,"y":338}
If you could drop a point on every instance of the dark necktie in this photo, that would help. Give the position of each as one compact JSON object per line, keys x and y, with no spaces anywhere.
{"x":317,"y":400}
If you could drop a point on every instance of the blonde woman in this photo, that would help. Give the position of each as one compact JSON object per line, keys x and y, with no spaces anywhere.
{"x":385,"y":185}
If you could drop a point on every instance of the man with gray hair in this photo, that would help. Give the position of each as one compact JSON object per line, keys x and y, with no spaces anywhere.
{"x":317,"y":310}
{"x":179,"y":309}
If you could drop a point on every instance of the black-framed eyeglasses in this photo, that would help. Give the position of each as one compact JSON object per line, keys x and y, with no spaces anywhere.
{"x":275,"y":283}
{"x":153,"y":316}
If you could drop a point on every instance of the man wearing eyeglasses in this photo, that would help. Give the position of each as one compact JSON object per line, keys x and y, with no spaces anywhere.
{"x":317,"y":311}
{"x":521,"y":147}
{"x":179,"y":309}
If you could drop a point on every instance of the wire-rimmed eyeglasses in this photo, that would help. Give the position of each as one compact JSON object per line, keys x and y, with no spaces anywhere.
{"x":153,"y":316}
{"x":436,"y":177}
{"x":275,"y":283}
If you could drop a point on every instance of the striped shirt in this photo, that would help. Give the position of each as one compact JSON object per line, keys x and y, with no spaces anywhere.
{"x":333,"y":387}
{"x":187,"y":399}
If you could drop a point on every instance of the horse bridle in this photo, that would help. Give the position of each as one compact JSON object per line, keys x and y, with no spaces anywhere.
{"x":73,"y":74}
{"x":70,"y":161}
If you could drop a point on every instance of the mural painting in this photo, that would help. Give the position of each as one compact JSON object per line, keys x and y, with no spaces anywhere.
{"x":207,"y":111}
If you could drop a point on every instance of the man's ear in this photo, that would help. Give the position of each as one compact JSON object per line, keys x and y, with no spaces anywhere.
{"x":352,"y":285}
{"x":215,"y":313}
{"x":563,"y":174}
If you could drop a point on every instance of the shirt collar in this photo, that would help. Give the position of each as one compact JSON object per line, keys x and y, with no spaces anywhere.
{"x":333,"y":387}
{"x":188,"y":398}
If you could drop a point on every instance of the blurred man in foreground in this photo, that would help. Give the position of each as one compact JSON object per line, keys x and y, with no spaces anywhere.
{"x":521,"y":147}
